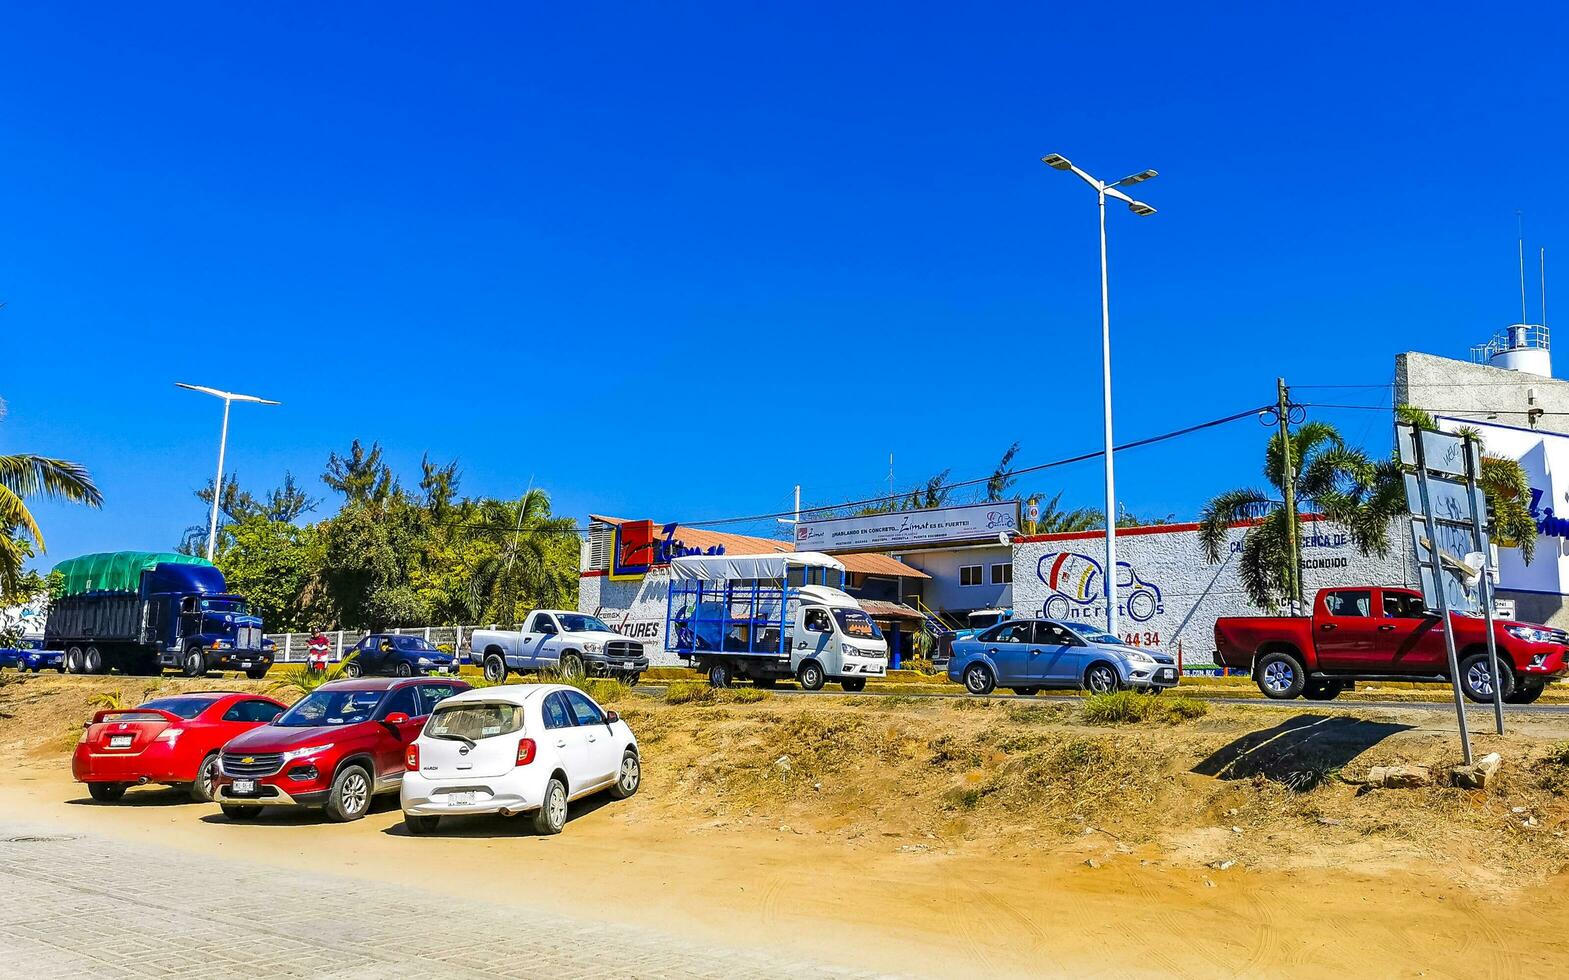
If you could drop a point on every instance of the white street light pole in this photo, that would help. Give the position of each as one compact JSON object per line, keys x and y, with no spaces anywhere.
{"x":229,"y":398}
{"x":1058,"y":162}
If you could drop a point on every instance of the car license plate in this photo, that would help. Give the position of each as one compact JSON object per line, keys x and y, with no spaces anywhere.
{"x":243,"y":787}
{"x":119,"y":741}
{"x":460,"y":799}
{"x":1168,"y":674}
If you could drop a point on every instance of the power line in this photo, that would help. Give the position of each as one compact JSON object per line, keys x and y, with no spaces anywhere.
{"x":1470,"y":409}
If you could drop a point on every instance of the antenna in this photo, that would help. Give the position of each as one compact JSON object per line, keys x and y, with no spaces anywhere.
{"x":1520,"y":217}
{"x":1542,"y":275}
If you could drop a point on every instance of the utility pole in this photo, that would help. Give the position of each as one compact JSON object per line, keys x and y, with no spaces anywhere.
{"x":1288,"y":484}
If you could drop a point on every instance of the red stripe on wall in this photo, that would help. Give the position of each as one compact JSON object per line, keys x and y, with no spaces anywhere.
{"x":1130,"y":532}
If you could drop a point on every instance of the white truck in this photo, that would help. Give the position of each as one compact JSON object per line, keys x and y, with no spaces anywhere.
{"x":573,"y":644}
{"x":771,"y":617}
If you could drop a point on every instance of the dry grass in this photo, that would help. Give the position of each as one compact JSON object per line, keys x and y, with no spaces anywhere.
{"x":1127,"y":707}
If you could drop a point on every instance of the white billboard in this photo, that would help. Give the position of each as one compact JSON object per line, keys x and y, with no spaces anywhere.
{"x":943,"y":525}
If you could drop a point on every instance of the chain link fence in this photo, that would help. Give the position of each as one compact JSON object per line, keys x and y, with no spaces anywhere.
{"x":294,"y":647}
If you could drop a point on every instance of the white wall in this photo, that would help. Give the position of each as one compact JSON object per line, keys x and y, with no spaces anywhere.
{"x":943,"y":592}
{"x":634,"y":607}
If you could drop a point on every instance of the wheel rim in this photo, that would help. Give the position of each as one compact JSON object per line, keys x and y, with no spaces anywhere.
{"x":493,"y":669}
{"x":1480,"y":679}
{"x":1101,"y":680}
{"x":1278,"y":676}
{"x":810,"y":677}
{"x":630,"y":774}
{"x":193,"y":664}
{"x":208,"y":777}
{"x":975,"y":679}
{"x":355,"y":793}
{"x":404,"y":670}
{"x":571,"y":667}
{"x":558,"y":806}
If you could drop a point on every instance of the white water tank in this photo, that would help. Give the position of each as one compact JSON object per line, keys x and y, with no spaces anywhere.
{"x":1521,"y":347}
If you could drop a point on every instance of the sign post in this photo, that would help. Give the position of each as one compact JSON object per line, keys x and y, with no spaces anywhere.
{"x":1486,"y":584}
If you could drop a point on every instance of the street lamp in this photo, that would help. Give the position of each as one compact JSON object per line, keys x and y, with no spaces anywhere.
{"x":1059,"y":162}
{"x":229,"y":398}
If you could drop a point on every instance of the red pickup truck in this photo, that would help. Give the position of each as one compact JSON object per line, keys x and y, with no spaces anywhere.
{"x":1368,"y":633}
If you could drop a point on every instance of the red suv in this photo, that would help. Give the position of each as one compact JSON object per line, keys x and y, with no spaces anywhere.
{"x":336,"y":748}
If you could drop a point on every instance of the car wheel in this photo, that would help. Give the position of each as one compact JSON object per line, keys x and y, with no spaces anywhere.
{"x":1280,"y":676}
{"x":93,"y":661}
{"x":106,"y":792}
{"x":1526,"y":692}
{"x":404,"y":669}
{"x":629,"y":778}
{"x":811,"y":676}
{"x":1028,"y":692}
{"x":420,"y":826}
{"x":766,"y":683}
{"x":256,"y":674}
{"x":195,"y":663}
{"x":1102,"y":678}
{"x":349,"y":798}
{"x":205,"y":787}
{"x":495,"y":668}
{"x":571,"y":665}
{"x":978,"y":679}
{"x":353,"y":669}
{"x":73,"y":660}
{"x":1476,"y":678}
{"x":853,"y":684}
{"x":632,"y":678}
{"x":1323,"y":690}
{"x":236,"y":812}
{"x":719,"y":675}
{"x":552,"y":814}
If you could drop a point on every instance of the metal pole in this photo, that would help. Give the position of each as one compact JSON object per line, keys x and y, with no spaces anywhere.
{"x":1438,"y":590}
{"x":217,"y":485}
{"x":1479,"y":535}
{"x":1288,"y":484}
{"x":1111,"y":492}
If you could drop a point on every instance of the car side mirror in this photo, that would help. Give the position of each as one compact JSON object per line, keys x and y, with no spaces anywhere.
{"x":611,"y":717}
{"x":397,"y":718}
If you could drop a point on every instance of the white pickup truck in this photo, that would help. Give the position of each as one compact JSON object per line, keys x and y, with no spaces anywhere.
{"x":572,"y":643}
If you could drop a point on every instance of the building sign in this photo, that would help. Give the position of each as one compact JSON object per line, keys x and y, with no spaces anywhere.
{"x":641,"y":545}
{"x":1076,"y":589}
{"x":943,"y":525}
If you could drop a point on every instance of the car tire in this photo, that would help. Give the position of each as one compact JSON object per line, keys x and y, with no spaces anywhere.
{"x":1280,"y":676}
{"x":106,"y":792}
{"x":1476,"y":682}
{"x":352,"y":668}
{"x":1102,"y":678}
{"x":571,"y":665}
{"x":978,"y":679}
{"x":854,"y":684}
{"x":1323,"y":690}
{"x":256,"y":674}
{"x":404,"y":669}
{"x":811,"y":676}
{"x":1028,"y":692}
{"x":236,"y":812}
{"x":551,"y":817}
{"x":766,"y":683}
{"x":630,"y":776}
{"x":93,"y":661}
{"x":350,"y":795}
{"x":195,"y":664}
{"x":1526,"y":692}
{"x":203,"y":787}
{"x":719,"y":675}
{"x":419,"y":826}
{"x":632,"y":678}
{"x":495,"y":668}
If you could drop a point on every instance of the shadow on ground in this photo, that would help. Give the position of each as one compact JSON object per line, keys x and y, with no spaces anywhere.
{"x":1299,"y":753}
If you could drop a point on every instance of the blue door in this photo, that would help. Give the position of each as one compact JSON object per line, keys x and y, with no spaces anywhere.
{"x":1061,"y":655}
{"x":1008,"y":646}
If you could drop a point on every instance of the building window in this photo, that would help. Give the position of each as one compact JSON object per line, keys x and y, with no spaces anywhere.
{"x":1002,"y":574}
{"x":970,"y":574}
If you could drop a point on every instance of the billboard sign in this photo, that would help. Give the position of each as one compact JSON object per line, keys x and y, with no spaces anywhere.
{"x":641,"y":545}
{"x":942,"y":525}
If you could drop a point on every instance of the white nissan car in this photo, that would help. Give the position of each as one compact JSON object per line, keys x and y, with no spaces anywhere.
{"x":521,"y":748}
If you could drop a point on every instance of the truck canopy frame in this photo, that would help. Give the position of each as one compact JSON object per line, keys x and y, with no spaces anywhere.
{"x":740,"y":604}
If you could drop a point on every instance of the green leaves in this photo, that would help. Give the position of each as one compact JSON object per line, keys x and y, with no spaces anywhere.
{"x":24,"y":476}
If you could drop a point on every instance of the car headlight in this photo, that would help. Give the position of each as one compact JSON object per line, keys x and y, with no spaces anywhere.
{"x":293,"y":754}
{"x":1531,"y":634}
{"x":424,"y":661}
{"x":1138,"y":656}
{"x":220,"y":644}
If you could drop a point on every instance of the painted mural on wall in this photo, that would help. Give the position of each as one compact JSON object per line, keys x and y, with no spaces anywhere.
{"x":1168,"y":595}
{"x":633,"y":608}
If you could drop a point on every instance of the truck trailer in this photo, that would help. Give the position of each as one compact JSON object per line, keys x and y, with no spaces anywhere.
{"x":142,"y":611}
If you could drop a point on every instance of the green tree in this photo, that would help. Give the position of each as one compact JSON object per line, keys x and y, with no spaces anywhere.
{"x":272,"y":563}
{"x":24,"y":476}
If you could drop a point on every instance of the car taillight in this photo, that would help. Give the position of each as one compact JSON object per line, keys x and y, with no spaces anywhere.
{"x":411,"y":759}
{"x":526,"y":749}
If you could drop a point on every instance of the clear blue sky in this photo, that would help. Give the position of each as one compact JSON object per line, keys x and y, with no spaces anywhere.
{"x":538,"y":237}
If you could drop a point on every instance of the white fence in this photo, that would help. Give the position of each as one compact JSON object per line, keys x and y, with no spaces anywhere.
{"x":292,"y":647}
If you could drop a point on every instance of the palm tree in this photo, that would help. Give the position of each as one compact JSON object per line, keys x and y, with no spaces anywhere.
{"x":1330,"y":479}
{"x":536,"y":562}
{"x":1054,"y":520}
{"x":25,"y":475}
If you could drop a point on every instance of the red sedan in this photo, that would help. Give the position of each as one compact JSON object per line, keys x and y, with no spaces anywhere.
{"x":173,"y":741}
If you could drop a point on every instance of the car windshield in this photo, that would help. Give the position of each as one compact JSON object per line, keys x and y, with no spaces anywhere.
{"x":1092,"y":635}
{"x":576,"y":623}
{"x":855,"y":623}
{"x":186,"y":708}
{"x":331,"y":708}
{"x":472,"y":722}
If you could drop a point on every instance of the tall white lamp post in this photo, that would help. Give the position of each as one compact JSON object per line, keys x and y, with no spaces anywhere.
{"x":229,"y":398}
{"x":1103,"y":190}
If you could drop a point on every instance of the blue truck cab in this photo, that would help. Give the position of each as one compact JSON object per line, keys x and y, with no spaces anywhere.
{"x":140,"y":612}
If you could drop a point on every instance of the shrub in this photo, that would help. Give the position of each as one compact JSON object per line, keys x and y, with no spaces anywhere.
{"x":302,"y":680}
{"x":920,"y":665}
{"x":1127,"y":707}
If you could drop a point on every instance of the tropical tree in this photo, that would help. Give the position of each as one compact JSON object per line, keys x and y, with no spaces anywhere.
{"x":531,"y":558}
{"x":24,"y":476}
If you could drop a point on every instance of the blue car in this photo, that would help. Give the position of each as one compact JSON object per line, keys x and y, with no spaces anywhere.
{"x":397,"y":656}
{"x":29,"y":654}
{"x":1030,"y":655}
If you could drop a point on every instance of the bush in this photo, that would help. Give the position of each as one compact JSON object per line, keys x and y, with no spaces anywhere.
{"x":699,"y":692}
{"x":920,"y":665}
{"x":1128,"y":707}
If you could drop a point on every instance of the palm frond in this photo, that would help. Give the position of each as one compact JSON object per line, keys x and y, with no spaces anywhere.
{"x":1226,"y":509}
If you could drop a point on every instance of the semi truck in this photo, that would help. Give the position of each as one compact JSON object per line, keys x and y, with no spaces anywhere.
{"x":141,"y":611}
{"x":771,"y":617}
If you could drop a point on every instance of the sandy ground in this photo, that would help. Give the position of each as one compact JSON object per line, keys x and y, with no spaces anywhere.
{"x":1017,"y":903}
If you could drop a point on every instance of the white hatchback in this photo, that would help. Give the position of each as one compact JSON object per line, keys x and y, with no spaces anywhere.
{"x":521,"y":748}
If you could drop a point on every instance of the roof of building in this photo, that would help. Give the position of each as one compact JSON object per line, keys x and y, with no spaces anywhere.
{"x":746,"y":544}
{"x":888,"y":610}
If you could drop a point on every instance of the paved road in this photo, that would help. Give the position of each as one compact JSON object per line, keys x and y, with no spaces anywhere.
{"x":74,"y":906}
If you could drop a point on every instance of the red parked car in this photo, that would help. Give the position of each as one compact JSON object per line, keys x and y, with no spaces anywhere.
{"x":336,"y":748}
{"x":173,"y":741}
{"x":1369,"y":633}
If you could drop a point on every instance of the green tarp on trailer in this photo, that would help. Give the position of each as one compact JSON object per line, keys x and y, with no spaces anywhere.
{"x":115,"y":571}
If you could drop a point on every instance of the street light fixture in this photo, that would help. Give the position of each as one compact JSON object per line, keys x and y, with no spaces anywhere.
{"x":229,"y":398}
{"x":1103,"y":190}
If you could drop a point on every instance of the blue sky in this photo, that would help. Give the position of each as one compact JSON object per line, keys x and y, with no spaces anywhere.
{"x":541,"y":238}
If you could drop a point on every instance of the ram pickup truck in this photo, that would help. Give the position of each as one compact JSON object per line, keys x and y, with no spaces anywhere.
{"x":1367,"y":633}
{"x":572,"y":643}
